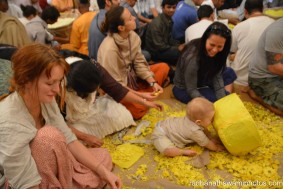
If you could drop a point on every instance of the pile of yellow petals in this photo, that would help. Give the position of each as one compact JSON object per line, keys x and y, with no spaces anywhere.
{"x":260,"y":165}
{"x":140,"y":173}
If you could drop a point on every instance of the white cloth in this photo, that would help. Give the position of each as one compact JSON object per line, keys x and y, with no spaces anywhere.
{"x":234,"y":12}
{"x":24,"y":20}
{"x":196,"y":30}
{"x":14,"y":10}
{"x":28,"y":2}
{"x":158,"y":4}
{"x":101,"y":117}
{"x":37,"y":31}
{"x":144,"y":7}
{"x":93,"y":5}
{"x":245,"y":38}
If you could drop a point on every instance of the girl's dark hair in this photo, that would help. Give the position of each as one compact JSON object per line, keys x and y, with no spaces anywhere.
{"x":113,"y":19}
{"x":210,"y":66}
{"x":28,"y":10}
{"x":50,"y":13}
{"x":83,"y":77}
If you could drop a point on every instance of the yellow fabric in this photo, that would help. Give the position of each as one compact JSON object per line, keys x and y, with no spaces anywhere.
{"x":274,"y":13}
{"x":235,"y":126}
{"x":126,"y":155}
{"x":79,"y":34}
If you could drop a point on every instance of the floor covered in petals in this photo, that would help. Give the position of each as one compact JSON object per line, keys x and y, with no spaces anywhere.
{"x":261,"y":168}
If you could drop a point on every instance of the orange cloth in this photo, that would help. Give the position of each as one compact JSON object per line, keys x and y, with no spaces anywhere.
{"x":63,"y":5}
{"x":79,"y":34}
{"x":160,"y":71}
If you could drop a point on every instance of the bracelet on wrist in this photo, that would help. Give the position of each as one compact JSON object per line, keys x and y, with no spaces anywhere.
{"x":152,"y":83}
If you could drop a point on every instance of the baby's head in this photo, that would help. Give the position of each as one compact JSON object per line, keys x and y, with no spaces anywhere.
{"x":201,"y":111}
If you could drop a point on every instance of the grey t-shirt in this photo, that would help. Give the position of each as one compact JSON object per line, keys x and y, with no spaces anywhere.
{"x":272,"y":41}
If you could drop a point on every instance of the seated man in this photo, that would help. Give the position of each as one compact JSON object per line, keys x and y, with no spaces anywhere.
{"x":140,"y":27}
{"x":80,"y":29}
{"x":266,"y":69}
{"x":206,"y":17}
{"x":159,"y":42}
{"x":245,"y":37}
{"x":10,"y":9}
{"x":146,"y":10}
{"x":96,"y":36}
{"x":184,"y":16}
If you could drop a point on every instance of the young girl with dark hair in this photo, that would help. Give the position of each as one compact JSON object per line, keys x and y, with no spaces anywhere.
{"x":201,"y":70}
{"x":121,"y":51}
{"x":29,"y":12}
{"x":92,"y":117}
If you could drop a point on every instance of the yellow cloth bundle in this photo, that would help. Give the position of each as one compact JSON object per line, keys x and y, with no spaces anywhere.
{"x":235,"y":126}
{"x":126,"y":155}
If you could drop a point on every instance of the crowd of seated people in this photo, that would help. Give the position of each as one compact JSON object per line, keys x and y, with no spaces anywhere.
{"x":117,"y":60}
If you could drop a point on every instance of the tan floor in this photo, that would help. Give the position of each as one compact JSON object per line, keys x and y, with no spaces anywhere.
{"x":154,"y":177}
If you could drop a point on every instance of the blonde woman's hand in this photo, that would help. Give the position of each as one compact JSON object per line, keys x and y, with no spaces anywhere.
{"x":111,"y":179}
{"x":114,"y":181}
{"x":92,"y":141}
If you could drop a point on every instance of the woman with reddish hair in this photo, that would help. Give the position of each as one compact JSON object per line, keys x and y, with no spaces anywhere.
{"x":37,"y":148}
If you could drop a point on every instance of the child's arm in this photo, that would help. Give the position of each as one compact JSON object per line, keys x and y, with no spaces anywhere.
{"x":216,"y":140}
{"x":214,"y":147}
{"x":174,"y":151}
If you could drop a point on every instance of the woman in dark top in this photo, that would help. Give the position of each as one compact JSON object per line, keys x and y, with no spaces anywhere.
{"x":201,"y":70}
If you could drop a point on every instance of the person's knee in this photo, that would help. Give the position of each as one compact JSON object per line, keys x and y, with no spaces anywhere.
{"x":49,"y":134}
{"x":229,"y":76}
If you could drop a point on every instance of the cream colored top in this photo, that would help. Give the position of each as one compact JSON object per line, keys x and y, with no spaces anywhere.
{"x":17,"y":130}
{"x":182,"y":131}
{"x":111,"y":59}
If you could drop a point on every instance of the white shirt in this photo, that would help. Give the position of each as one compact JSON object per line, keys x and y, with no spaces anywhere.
{"x":245,"y":37}
{"x":144,"y":7}
{"x":14,"y":10}
{"x":196,"y":30}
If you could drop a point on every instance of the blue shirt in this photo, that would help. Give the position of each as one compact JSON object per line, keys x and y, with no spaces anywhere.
{"x":184,"y":16}
{"x":96,"y":37}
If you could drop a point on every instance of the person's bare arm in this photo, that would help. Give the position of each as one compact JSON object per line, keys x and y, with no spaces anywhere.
{"x":214,"y":147}
{"x":275,"y":63}
{"x":84,"y":156}
{"x":154,"y":12}
{"x":90,"y":140}
{"x":144,"y":19}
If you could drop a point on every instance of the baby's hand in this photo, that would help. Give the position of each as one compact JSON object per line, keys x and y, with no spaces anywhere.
{"x":189,"y":153}
{"x":216,"y":140}
{"x":220,"y":148}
